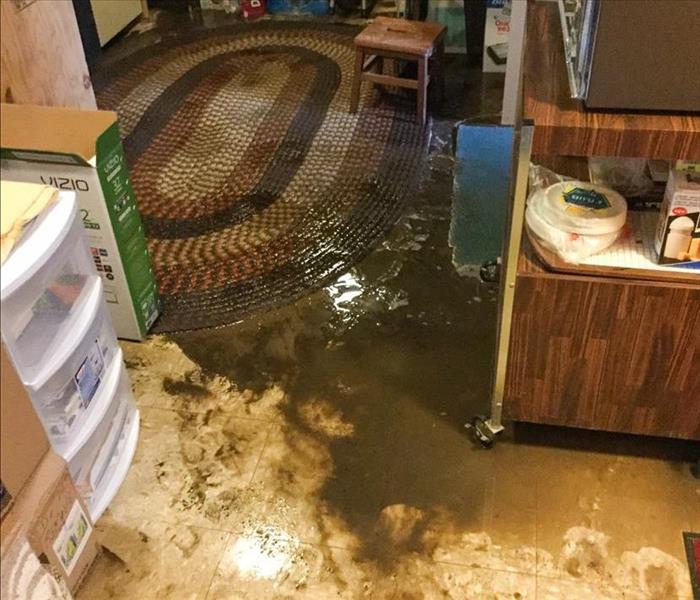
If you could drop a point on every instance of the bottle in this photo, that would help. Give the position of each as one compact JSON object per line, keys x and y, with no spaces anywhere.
{"x":678,"y":239}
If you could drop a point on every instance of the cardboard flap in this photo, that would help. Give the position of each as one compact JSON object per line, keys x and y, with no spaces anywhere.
{"x":48,"y":129}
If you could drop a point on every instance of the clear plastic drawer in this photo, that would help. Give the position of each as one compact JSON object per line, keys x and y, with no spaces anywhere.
{"x":73,"y":375}
{"x":46,"y":282}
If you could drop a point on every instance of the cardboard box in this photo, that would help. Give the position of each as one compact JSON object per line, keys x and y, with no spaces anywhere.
{"x":678,"y":232}
{"x":56,"y":521}
{"x":496,"y":32}
{"x":81,"y":151}
{"x":24,"y":577}
{"x":23,"y":441}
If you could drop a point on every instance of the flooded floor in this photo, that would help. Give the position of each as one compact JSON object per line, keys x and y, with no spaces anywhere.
{"x":320,"y":451}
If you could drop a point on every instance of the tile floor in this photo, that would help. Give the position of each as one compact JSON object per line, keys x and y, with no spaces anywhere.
{"x":260,"y":493}
{"x":320,"y":451}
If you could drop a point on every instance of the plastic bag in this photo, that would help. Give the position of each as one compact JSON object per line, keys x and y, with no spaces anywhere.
{"x":628,"y":176}
{"x":540,"y":177}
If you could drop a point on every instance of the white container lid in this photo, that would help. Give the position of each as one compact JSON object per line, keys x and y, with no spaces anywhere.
{"x":580,"y":207}
{"x":39,"y":243}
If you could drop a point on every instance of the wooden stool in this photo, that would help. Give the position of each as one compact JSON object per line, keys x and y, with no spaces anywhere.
{"x":392,"y":39}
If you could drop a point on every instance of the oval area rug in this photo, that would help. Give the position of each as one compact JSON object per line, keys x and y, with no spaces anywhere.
{"x":255,"y":184}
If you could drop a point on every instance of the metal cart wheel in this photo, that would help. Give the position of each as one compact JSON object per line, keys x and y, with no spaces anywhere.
{"x":484,"y":432}
{"x":490,"y":271}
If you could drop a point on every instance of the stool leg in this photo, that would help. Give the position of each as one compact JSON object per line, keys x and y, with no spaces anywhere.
{"x":422,"y":88}
{"x":389,"y":67}
{"x":357,"y":80}
{"x":440,"y":59}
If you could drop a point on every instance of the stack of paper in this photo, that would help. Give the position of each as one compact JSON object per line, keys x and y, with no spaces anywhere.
{"x":21,"y":203}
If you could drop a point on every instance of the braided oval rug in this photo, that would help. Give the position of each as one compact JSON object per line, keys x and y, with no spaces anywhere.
{"x":254,"y":183}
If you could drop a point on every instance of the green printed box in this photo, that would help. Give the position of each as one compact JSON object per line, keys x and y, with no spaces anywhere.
{"x":81,"y":151}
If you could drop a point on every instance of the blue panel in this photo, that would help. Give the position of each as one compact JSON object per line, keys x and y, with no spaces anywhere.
{"x":297,"y":7}
{"x":483,"y":160}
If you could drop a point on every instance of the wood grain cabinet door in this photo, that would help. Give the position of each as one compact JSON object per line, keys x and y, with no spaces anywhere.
{"x":607,"y":354}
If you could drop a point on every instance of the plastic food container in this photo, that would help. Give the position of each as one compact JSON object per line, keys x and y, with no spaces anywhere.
{"x":576,"y":219}
{"x":572,"y":247}
{"x":45,"y":283}
{"x":76,"y":369}
{"x":580,"y":207}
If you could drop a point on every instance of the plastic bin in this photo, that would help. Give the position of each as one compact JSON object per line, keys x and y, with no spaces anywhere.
{"x":59,"y":334}
{"x":76,"y":369}
{"x":114,"y":473}
{"x":81,"y":463}
{"x":89,"y":462}
{"x":45,"y":283}
{"x":100,"y":409}
{"x":109,"y":446}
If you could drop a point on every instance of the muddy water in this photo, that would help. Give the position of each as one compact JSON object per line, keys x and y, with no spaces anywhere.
{"x":372,"y":366}
{"x":320,"y":451}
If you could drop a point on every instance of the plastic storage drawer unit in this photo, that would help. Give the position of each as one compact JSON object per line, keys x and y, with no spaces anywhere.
{"x":73,"y":375}
{"x":45,"y":283}
{"x":60,"y":337}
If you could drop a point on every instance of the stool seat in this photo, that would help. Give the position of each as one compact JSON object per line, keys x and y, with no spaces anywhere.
{"x":417,"y":38}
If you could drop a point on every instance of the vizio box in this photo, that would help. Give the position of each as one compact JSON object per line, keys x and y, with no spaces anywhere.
{"x":81,"y":151}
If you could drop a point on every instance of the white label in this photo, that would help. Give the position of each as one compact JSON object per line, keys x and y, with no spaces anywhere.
{"x":72,"y":538}
{"x":45,"y":157}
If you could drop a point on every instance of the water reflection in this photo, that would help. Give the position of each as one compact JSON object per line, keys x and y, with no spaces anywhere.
{"x":261,"y":556}
{"x":344,"y":291}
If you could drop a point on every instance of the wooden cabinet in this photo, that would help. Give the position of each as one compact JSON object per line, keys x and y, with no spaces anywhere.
{"x":604,"y":352}
{"x":609,"y":348}
{"x":563,"y":127}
